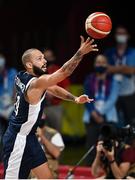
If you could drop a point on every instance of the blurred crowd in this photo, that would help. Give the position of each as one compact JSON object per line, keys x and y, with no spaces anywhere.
{"x":111,"y":85}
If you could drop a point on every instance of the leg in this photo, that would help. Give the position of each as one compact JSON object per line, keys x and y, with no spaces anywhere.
{"x":42,"y":172}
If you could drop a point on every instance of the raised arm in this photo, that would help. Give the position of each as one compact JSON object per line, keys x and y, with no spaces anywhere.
{"x":65,"y":95}
{"x":45,"y":81}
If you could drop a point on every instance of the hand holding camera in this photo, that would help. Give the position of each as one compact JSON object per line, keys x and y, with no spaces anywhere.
{"x":101,"y":149}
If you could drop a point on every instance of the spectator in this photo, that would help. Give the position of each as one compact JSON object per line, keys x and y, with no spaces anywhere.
{"x":104,"y":90}
{"x":118,"y":163}
{"x":54,"y":109}
{"x":6,"y":95}
{"x":52,"y":142}
{"x":122,"y":55}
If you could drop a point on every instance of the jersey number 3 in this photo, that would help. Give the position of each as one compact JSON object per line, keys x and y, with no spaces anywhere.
{"x":17,"y":105}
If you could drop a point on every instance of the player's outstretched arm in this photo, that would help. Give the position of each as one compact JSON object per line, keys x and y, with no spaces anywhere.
{"x":67,"y":69}
{"x":65,"y":95}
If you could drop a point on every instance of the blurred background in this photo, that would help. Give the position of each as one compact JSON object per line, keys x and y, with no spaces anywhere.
{"x":57,"y":25}
{"x":54,"y":27}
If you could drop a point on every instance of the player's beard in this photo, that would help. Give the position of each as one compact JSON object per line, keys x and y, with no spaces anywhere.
{"x":38,"y":71}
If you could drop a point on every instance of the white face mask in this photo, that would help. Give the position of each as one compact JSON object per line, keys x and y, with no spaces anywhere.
{"x":2,"y":63}
{"x":121,"y":39}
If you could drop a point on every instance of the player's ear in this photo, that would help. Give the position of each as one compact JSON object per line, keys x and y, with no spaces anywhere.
{"x":28,"y":65}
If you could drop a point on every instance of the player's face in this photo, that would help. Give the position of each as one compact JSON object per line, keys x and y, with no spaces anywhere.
{"x":38,"y":63}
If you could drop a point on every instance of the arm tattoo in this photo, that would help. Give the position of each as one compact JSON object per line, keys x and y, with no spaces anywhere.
{"x":64,"y":95}
{"x":70,"y":65}
{"x":70,"y":97}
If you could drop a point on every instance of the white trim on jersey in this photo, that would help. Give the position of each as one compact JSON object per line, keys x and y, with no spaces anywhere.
{"x":16,"y":155}
{"x":27,"y":85}
{"x":32,"y":117}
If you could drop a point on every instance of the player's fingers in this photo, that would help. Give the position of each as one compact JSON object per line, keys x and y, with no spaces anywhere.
{"x":82,"y":39}
{"x":88,"y":40}
{"x":94,"y":45}
{"x":95,"y":49}
{"x":84,"y":95}
{"x":90,"y":100}
{"x":91,"y":41}
{"x":91,"y":45}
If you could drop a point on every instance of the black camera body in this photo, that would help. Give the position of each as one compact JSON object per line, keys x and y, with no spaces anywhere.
{"x":109,"y":133}
{"x":108,"y":144}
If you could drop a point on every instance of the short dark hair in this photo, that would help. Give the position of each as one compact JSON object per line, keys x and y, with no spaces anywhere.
{"x":26,"y":55}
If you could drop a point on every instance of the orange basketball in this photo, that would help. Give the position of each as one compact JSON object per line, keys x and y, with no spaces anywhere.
{"x":98,"y":25}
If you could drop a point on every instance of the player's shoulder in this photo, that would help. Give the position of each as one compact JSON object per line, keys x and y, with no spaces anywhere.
{"x":22,"y":79}
{"x":24,"y":76}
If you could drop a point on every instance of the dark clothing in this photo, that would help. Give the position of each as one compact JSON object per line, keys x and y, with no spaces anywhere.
{"x":122,"y":155}
{"x":21,"y":149}
{"x":92,"y":131}
{"x":126,"y":109}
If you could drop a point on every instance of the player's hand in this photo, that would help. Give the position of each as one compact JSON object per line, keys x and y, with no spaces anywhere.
{"x":87,"y":46}
{"x":83,"y":99}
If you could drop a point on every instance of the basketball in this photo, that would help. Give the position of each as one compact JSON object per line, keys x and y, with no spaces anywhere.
{"x":98,"y":25}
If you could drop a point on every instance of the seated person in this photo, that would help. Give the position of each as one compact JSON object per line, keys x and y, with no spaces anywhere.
{"x":52,"y":143}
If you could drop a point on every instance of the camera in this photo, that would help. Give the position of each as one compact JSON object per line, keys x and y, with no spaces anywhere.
{"x":109,"y":133}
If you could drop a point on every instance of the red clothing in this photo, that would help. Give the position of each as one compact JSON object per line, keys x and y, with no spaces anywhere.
{"x":64,"y":84}
{"x":129,"y":155}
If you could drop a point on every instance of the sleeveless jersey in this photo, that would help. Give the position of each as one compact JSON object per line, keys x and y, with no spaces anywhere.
{"x":25,"y":116}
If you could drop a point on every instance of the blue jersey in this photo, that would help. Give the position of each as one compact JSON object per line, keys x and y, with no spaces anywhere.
{"x":25,"y":116}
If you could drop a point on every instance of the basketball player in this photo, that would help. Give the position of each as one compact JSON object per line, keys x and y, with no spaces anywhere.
{"x":22,"y":152}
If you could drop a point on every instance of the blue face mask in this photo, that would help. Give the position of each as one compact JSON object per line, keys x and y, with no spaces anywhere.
{"x":100,"y":69}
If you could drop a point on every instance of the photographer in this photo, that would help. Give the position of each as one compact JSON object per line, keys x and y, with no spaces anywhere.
{"x":115,"y":159}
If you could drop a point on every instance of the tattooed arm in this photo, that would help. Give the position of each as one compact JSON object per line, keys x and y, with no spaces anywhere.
{"x":45,"y":81}
{"x":65,"y":95}
{"x":39,"y":85}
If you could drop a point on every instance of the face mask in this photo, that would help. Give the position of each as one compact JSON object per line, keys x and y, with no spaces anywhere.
{"x":100,"y":69}
{"x":2,"y":63}
{"x":121,"y":39}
